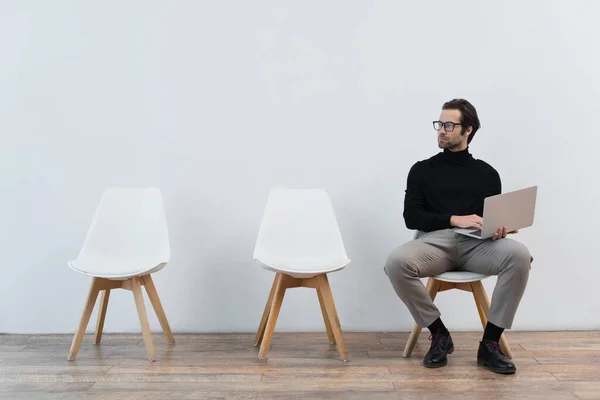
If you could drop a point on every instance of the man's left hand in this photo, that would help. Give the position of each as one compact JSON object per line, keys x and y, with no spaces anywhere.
{"x":502,"y":233}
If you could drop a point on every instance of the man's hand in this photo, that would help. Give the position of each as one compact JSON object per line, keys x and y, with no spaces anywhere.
{"x":466,"y":221}
{"x":502,"y":233}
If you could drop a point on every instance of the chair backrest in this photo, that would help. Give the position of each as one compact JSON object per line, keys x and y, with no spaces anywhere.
{"x":129,"y":223}
{"x":300,"y":226}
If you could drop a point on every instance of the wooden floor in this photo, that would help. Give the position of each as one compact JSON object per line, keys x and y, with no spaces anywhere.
{"x":558,"y":365}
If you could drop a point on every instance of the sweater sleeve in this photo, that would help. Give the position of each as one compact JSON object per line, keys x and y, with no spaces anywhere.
{"x":493,"y":186}
{"x":496,"y":183}
{"x":416,"y":215}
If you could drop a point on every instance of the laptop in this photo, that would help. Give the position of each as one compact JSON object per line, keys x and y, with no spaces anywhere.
{"x":514,"y":210}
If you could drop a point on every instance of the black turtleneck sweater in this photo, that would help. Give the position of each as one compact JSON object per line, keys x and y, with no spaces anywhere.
{"x":447,"y":184}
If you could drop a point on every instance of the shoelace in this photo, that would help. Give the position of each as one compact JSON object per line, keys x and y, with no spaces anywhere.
{"x":437,"y":340}
{"x":494,"y":346}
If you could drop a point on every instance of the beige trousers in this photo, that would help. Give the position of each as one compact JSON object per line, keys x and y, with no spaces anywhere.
{"x":440,"y":251}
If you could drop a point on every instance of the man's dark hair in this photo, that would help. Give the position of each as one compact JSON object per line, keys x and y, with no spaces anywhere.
{"x":468,"y":115}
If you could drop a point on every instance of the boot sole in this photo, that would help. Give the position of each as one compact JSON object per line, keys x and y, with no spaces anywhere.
{"x":439,"y":365}
{"x":496,"y":370}
{"x":443,"y":363}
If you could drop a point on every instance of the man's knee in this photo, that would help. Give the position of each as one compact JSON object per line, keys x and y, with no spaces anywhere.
{"x":400,"y":263}
{"x":520,"y":259}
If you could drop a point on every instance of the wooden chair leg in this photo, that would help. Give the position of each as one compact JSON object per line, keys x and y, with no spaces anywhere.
{"x":330,"y":334}
{"x":433,"y":286}
{"x":323,"y":286}
{"x":263,"y":322}
{"x":273,"y":314}
{"x":85,"y":318}
{"x":483,"y":307}
{"x":141,"y":309}
{"x":412,"y":340}
{"x":101,"y":315}
{"x":158,"y":308}
{"x":482,"y":316}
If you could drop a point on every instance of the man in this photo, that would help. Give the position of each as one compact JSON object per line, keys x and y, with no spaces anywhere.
{"x":444,"y":192}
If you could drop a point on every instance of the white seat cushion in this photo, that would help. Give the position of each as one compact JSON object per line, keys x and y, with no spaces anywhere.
{"x":304,"y":268}
{"x":460,"y":276}
{"x":118,"y":269}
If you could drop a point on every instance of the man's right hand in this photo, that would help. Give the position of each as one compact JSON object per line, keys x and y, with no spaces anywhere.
{"x":466,"y":221}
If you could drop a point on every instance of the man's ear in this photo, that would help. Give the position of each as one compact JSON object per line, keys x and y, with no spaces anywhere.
{"x":467,"y":131}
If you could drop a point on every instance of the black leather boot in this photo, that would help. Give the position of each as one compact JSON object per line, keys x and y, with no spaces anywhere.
{"x":441,"y":346}
{"x":491,"y":356}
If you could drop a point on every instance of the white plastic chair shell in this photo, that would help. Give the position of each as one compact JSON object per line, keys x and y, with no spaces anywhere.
{"x":128,"y":236}
{"x":299,"y":234}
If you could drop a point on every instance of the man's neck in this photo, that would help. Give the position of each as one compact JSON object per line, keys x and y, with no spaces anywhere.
{"x":457,"y":156}
{"x":460,"y":147}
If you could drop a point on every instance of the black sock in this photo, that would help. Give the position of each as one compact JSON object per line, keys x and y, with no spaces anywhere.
{"x":437,"y":327}
{"x":492,"y":332}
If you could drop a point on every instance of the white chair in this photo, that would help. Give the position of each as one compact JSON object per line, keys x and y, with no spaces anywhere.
{"x":299,"y":239}
{"x":127,"y":241}
{"x":462,"y":280}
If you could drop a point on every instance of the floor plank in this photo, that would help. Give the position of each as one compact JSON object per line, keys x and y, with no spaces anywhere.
{"x":128,"y":395}
{"x":6,"y":388}
{"x":11,"y":347}
{"x":52,"y":369}
{"x":432,"y":395}
{"x":251,"y":369}
{"x":556,"y":365}
{"x":588,"y":395}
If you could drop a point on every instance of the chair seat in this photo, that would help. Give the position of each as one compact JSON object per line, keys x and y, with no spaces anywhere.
{"x":117,"y":269}
{"x":460,"y":277}
{"x":304,"y":268}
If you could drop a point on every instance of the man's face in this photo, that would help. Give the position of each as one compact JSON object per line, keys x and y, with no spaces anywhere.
{"x":454,"y":139}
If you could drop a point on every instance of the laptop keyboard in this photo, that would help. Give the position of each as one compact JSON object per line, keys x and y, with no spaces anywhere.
{"x":476,"y":233}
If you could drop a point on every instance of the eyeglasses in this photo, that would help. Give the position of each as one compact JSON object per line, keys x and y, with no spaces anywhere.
{"x":448,"y":126}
